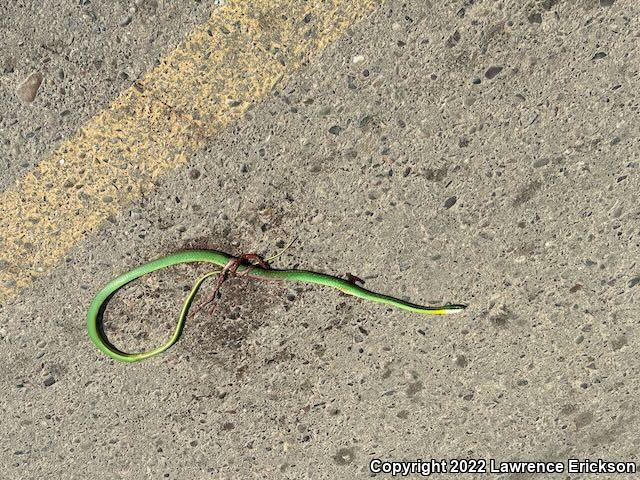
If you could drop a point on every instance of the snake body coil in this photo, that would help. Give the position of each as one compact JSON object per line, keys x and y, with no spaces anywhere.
{"x":220,"y":259}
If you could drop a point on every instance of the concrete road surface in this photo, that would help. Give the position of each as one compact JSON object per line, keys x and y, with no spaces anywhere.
{"x":472,"y":152}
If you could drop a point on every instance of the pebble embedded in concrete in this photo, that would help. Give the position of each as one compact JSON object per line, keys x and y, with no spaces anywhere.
{"x":28,"y":89}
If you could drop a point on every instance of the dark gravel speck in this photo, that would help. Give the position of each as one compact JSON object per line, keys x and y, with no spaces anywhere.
{"x":461,"y":361}
{"x":453,"y":39}
{"x":575,"y":288}
{"x":364,"y":121}
{"x":535,"y":18}
{"x":492,"y":72}
{"x":414,"y":388}
{"x":450,"y":202}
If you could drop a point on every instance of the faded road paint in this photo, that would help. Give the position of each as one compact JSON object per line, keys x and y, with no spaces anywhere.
{"x":226,"y":64}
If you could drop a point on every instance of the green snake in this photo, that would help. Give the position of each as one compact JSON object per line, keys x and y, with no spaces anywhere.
{"x":220,"y":259}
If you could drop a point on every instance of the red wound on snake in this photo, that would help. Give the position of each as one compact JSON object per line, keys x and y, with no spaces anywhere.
{"x":230,"y":270}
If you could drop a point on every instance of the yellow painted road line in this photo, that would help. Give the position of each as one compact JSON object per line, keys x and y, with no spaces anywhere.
{"x":225,"y":65}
